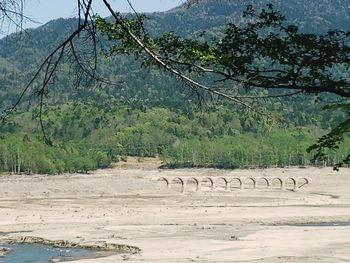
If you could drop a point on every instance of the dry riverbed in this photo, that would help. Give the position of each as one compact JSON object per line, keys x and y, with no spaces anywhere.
{"x":137,"y":218}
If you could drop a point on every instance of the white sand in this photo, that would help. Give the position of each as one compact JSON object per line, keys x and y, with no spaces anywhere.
{"x":128,"y":207}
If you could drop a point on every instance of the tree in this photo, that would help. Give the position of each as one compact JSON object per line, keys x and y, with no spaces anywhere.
{"x":265,"y":53}
{"x":11,"y":11}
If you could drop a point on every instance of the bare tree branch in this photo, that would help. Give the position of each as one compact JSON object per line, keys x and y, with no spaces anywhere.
{"x":50,"y":64}
{"x":192,"y":83}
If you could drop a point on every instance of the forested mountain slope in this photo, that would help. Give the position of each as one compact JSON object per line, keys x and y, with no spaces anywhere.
{"x":313,"y":15}
{"x":309,"y":15}
{"x":149,"y":113}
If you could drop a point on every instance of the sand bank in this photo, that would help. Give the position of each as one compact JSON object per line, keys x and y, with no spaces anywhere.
{"x":130,"y":208}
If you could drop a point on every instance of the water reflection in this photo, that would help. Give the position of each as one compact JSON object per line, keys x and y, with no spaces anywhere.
{"x":35,"y":253}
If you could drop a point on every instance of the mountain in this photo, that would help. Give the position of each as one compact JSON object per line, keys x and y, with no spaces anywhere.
{"x":309,"y":15}
{"x":148,"y":112}
{"x":24,"y":52}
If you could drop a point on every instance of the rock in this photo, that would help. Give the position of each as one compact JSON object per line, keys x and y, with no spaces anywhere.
{"x":4,"y":251}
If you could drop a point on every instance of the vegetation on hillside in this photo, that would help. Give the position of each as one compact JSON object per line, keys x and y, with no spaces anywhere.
{"x":148,"y":113}
{"x":87,"y":136}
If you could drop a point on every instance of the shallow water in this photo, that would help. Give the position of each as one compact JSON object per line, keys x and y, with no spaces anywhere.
{"x":35,"y":253}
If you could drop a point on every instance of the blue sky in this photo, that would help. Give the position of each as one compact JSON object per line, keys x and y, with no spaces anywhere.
{"x":46,"y":10}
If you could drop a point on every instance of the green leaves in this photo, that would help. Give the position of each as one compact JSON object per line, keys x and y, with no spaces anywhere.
{"x":332,"y":140}
{"x":265,"y":52}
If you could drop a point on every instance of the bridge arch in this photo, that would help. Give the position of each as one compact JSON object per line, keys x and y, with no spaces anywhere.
{"x":179,"y":179}
{"x":227,"y":183}
{"x":247,"y":180}
{"x":294,"y":183}
{"x":279,"y":180}
{"x":302,"y":181}
{"x":168,"y":184}
{"x":236,"y":179}
{"x":205,"y":179}
{"x":195,"y":180}
{"x":265,"y":180}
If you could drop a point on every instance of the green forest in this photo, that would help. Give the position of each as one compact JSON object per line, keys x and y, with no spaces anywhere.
{"x":87,"y":136}
{"x":147,"y":113}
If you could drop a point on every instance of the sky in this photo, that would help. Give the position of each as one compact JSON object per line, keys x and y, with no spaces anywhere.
{"x":43,"y":11}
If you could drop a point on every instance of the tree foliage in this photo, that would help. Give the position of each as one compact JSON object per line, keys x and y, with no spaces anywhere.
{"x":260,"y":58}
{"x":91,"y":135}
{"x":264,"y":53}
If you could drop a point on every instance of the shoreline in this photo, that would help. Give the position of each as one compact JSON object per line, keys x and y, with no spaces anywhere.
{"x":102,"y":246}
{"x":98,"y":250}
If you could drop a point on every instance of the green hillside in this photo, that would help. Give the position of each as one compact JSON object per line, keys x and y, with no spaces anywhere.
{"x":149,"y":113}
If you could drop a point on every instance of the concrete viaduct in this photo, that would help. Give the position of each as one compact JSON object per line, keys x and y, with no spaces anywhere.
{"x":227,"y":183}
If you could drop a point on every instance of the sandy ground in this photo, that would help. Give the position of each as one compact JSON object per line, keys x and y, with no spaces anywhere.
{"x":129,"y":206}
